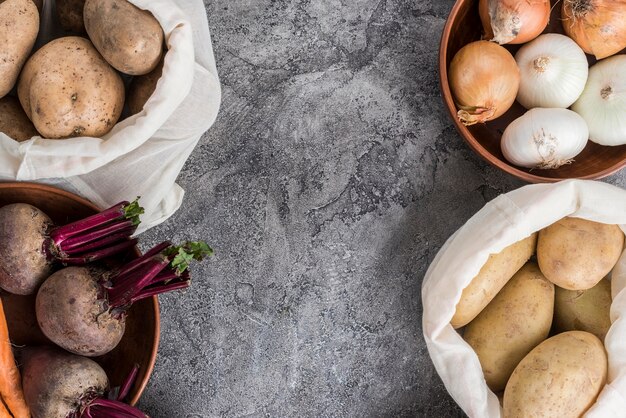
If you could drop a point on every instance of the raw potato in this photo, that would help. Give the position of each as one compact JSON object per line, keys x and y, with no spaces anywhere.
{"x":142,"y":88}
{"x":561,"y":377}
{"x":13,"y":120}
{"x":576,"y":254}
{"x":39,"y":4}
{"x":515,"y":321}
{"x":492,"y":277}
{"x":70,"y":14}
{"x":19,"y":26}
{"x":584,"y":310}
{"x":129,"y":38}
{"x":67,"y":90}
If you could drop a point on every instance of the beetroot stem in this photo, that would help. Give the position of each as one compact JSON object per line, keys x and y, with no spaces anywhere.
{"x":121,"y":294}
{"x":76,"y":242}
{"x":128,"y":383}
{"x":143,"y":259}
{"x":64,"y":232}
{"x":90,"y":257}
{"x":157,"y":290}
{"x":106,"y":408}
{"x":101,"y":243}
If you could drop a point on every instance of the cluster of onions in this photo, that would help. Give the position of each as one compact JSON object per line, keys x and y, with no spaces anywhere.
{"x":548,"y":74}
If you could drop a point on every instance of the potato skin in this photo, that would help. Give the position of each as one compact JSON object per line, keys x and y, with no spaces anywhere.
{"x":54,"y":381}
{"x":492,"y":277}
{"x":576,"y":254}
{"x":129,"y":38}
{"x":561,"y":377}
{"x":67,"y":89}
{"x":142,"y":88}
{"x":584,"y":310}
{"x":73,"y":316}
{"x":19,"y":26}
{"x":13,"y":120}
{"x":23,"y":265}
{"x":515,"y":322}
{"x":70,"y":14}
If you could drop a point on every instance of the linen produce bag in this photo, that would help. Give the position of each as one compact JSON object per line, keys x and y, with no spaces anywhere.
{"x":143,"y":154}
{"x":502,"y":222}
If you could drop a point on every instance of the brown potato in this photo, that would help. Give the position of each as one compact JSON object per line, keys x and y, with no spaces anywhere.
{"x":142,"y":88}
{"x":70,"y":14}
{"x":67,"y":89}
{"x":515,"y":321}
{"x":496,"y":272}
{"x":19,"y":26}
{"x":584,"y":310}
{"x":129,"y":38}
{"x":13,"y":120}
{"x":39,"y":4}
{"x":561,"y":377}
{"x":576,"y":254}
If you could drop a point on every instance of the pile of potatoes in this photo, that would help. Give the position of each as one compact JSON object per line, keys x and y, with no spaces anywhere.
{"x":537,"y":314}
{"x":74,"y":85}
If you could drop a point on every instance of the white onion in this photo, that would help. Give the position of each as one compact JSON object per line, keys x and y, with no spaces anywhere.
{"x":544,"y":138}
{"x":553,"y":70}
{"x":603,"y":102}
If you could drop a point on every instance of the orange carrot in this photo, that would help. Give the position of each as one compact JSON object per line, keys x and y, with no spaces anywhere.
{"x":10,"y":380}
{"x":4,"y":413}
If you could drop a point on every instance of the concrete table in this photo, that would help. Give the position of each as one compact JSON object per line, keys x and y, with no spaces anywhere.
{"x":329,"y":182}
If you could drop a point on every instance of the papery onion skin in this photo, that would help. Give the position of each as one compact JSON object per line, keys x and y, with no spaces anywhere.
{"x":513,"y":21}
{"x":544,"y":138}
{"x":553,"y":70}
{"x":484,"y":80}
{"x":597,"y":26}
{"x":603,"y":102}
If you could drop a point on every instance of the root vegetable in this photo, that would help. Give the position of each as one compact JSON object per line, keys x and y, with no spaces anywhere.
{"x":10,"y":381}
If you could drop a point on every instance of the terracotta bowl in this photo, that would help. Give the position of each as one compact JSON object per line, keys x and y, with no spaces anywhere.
{"x":464,"y":26}
{"x":141,"y":339}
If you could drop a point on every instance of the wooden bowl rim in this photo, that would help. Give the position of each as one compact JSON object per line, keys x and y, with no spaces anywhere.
{"x":467,"y":135}
{"x":155,"y":301}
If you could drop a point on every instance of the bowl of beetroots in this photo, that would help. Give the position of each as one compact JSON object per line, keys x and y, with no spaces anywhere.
{"x":464,"y":26}
{"x":140,"y":342}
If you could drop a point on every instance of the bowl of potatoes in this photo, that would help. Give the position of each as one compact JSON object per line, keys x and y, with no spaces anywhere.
{"x":523,"y":305}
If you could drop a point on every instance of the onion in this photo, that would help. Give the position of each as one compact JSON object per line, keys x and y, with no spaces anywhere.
{"x":554,"y":72}
{"x":603,"y":102}
{"x":484,"y":80}
{"x":598,"y":26}
{"x":514,"y":21}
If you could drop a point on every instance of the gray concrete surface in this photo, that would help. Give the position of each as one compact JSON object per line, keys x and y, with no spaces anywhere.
{"x":330,"y":180}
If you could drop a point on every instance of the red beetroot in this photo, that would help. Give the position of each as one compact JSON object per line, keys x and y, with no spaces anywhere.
{"x":83,"y":309}
{"x":30,"y":245}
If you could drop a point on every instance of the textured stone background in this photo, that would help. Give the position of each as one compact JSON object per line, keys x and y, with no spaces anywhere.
{"x":330,"y":180}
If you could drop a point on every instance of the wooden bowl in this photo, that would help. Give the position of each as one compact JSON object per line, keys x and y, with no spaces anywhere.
{"x":141,"y":339}
{"x":464,"y":26}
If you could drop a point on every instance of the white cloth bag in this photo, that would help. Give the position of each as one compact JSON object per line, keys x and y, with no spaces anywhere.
{"x":502,"y":222}
{"x":142,"y":155}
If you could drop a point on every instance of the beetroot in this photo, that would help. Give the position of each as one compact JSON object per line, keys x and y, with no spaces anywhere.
{"x":30,"y":245}
{"x":83,"y":309}
{"x":61,"y":385}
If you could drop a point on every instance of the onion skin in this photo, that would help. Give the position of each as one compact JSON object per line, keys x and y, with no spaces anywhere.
{"x":597,"y":26}
{"x":484,"y":79}
{"x":513,"y":21}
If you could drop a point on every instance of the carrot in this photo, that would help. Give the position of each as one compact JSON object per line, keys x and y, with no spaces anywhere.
{"x":10,"y":381}
{"x":4,"y":413}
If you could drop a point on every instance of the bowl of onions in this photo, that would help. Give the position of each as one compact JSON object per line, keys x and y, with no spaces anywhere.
{"x":537,"y":88}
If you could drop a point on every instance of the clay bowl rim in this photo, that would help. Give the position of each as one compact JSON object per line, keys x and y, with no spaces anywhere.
{"x":155,"y":301}
{"x":467,"y":135}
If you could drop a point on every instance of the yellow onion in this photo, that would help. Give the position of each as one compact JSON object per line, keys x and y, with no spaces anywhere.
{"x":597,"y":26}
{"x":484,"y":80}
{"x":513,"y":21}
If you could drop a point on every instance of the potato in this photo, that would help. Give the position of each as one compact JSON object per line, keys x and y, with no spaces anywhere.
{"x":67,"y":89}
{"x":561,"y":377}
{"x":129,"y":38}
{"x":576,"y":254}
{"x":142,"y":88}
{"x":584,"y":310}
{"x":70,"y":14}
{"x":515,"y":321}
{"x":39,"y":4}
{"x":492,"y":277}
{"x":13,"y":120}
{"x":19,"y":26}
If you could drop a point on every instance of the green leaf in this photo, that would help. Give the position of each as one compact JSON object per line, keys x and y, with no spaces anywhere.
{"x":183,"y":255}
{"x":133,"y":211}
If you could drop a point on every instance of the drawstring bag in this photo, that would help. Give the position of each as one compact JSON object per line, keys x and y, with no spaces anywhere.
{"x":503,"y":221}
{"x":143,"y":154}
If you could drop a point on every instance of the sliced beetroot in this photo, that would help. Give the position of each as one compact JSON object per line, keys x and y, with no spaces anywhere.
{"x":83,"y":309}
{"x":30,"y":244}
